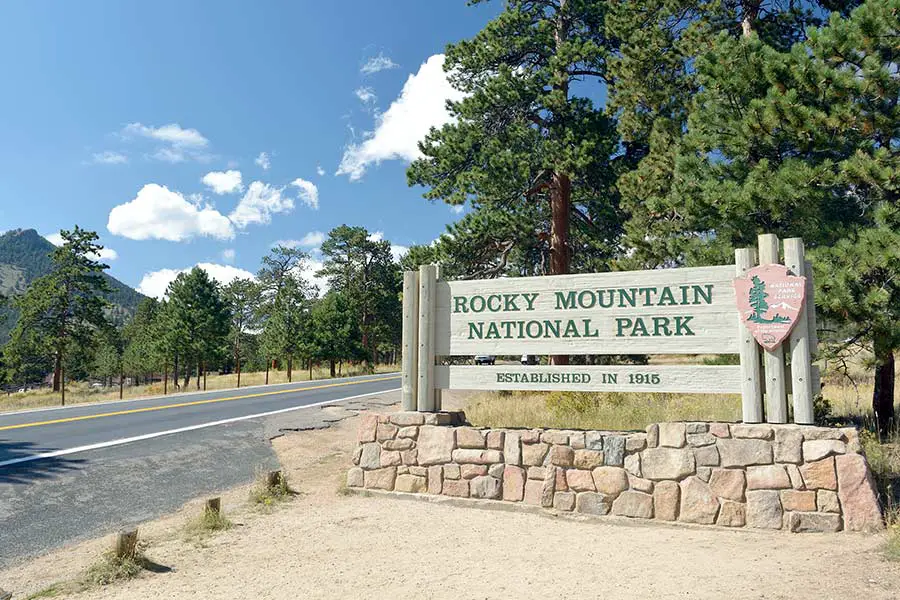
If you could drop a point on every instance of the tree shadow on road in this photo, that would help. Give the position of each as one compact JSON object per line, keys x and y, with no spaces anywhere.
{"x":15,"y":468}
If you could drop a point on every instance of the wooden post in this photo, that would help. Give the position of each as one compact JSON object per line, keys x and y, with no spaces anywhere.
{"x":811,"y":309}
{"x":801,"y":371}
{"x":410,"y":379}
{"x":776,"y":399}
{"x":214,"y":506}
{"x":425,"y":391}
{"x":751,"y":392}
{"x":438,"y":393}
{"x":126,"y":544}
{"x":274,"y":479}
{"x":121,"y":384}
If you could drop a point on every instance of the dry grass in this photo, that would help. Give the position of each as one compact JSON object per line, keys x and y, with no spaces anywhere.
{"x":608,"y":411}
{"x":265,"y":493}
{"x":82,"y":392}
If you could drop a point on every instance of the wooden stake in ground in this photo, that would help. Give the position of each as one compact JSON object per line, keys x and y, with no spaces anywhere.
{"x":274,"y":479}
{"x":126,"y":544}
{"x":214,"y":506}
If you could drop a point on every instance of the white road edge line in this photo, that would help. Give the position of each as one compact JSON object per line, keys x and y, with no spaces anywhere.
{"x":272,"y":386}
{"x":149,"y":436}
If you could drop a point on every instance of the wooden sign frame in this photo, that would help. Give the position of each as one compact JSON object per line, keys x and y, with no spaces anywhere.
{"x":664,"y":311}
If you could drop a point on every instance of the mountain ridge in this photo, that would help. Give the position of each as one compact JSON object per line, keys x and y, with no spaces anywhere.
{"x":25,"y":256}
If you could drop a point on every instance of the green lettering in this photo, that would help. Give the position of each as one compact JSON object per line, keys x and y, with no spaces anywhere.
{"x":621,"y":324}
{"x":639,"y":329}
{"x":481,"y":304}
{"x":587,"y":330}
{"x":493,"y":332}
{"x":459,"y":304}
{"x":490,"y":303}
{"x":667,"y":298}
{"x":700,"y":292}
{"x":509,"y":302}
{"x":551,"y":327}
{"x":661,"y":324}
{"x":612,"y":298}
{"x":590,"y":296}
{"x":681,"y":326}
{"x":529,"y":300}
{"x":476,"y":329}
{"x":565,"y":300}
{"x":624,"y":296}
{"x":534,"y":332}
{"x":571,"y":330}
{"x":508,"y":325}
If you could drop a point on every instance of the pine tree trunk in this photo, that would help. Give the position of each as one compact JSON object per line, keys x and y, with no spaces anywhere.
{"x":310,"y":369}
{"x":57,"y":371}
{"x":62,"y":386}
{"x":290,"y":365}
{"x":560,"y":208}
{"x":166,"y":377}
{"x":267,"y":371}
{"x":204,"y":375}
{"x":121,"y":385}
{"x":237,"y":364}
{"x":331,"y":365}
{"x":198,"y":374}
{"x":883,"y":396}
{"x":175,"y":372}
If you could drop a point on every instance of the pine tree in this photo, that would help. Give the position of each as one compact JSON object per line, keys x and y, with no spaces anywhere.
{"x":528,"y":148}
{"x":242,"y":297}
{"x":61,"y":312}
{"x":758,"y":297}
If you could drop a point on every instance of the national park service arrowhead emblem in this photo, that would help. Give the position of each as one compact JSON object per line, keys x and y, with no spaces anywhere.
{"x":770,"y":301}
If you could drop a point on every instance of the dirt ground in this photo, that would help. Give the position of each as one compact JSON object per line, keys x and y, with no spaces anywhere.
{"x":324,"y":544}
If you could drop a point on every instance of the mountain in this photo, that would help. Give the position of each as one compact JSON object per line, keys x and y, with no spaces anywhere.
{"x":25,"y":256}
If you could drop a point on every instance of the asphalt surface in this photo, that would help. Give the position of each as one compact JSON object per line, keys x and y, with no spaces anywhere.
{"x":75,"y":473}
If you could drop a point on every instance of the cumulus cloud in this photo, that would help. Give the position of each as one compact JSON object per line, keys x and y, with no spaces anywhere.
{"x":311,"y":241}
{"x":109,"y":157}
{"x":259,"y":203}
{"x":163,"y":214}
{"x":177,"y":143}
{"x":172,"y":134}
{"x":320,"y":171}
{"x":420,"y":106}
{"x":365,"y":95}
{"x":377,"y":63}
{"x":155,"y":283}
{"x":223,"y":182}
{"x":264,"y":160}
{"x":397,"y":251}
{"x":457,"y":208}
{"x":104,"y":254}
{"x":228,"y":255}
{"x":309,"y":193}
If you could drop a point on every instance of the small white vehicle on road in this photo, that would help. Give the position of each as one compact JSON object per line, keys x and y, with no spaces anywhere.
{"x":485,"y":359}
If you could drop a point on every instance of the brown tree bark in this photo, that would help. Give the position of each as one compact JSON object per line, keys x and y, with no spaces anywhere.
{"x":883,"y":396}
{"x":198,"y":374}
{"x":166,"y":377}
{"x":560,"y":257}
{"x":57,"y":371}
{"x":62,"y":386}
{"x":290,"y":367}
{"x":331,"y":365}
{"x":267,"y":371}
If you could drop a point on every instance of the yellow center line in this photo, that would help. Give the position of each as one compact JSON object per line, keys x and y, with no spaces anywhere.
{"x":194,"y":403}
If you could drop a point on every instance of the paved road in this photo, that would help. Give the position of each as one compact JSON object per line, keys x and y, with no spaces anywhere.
{"x":73,"y":473}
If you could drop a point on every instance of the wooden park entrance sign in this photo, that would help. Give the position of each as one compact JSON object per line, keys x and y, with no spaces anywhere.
{"x":731,"y":309}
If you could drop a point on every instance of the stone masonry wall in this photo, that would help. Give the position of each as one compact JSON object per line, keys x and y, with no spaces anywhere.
{"x":790,"y":477}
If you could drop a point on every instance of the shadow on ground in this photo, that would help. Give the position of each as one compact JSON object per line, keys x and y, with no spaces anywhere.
{"x":31,"y":470}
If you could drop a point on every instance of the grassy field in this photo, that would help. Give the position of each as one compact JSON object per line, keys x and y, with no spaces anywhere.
{"x":81,"y":392}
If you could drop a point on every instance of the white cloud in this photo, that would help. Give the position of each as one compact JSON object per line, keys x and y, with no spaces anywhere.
{"x":228,"y":255}
{"x":365,"y":94}
{"x":420,"y":106}
{"x":223,"y":182}
{"x":109,"y":157}
{"x":458,"y":208}
{"x":309,"y":193}
{"x":398,"y":251}
{"x":320,"y":171}
{"x":264,"y":160}
{"x":377,"y":63}
{"x":172,"y":134}
{"x":259,"y":204}
{"x":376,"y":236}
{"x":104,"y":254}
{"x":159,"y":213}
{"x":154,"y":284}
{"x":313,"y":239}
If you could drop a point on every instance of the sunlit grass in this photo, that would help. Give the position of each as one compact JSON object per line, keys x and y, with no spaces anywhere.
{"x":83,"y":392}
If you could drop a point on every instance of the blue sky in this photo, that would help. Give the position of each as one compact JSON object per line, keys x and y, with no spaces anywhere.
{"x":189,"y":132}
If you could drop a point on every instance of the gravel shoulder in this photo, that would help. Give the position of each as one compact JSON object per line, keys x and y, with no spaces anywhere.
{"x":324,"y":544}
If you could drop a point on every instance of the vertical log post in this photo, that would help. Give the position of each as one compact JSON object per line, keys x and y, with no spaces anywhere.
{"x":213,"y":506}
{"x":126,"y":544}
{"x":776,"y":397}
{"x":751,"y":391}
{"x":410,"y":379}
{"x":425,"y":391}
{"x":811,"y":326}
{"x":438,"y":393}
{"x":801,"y":365}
